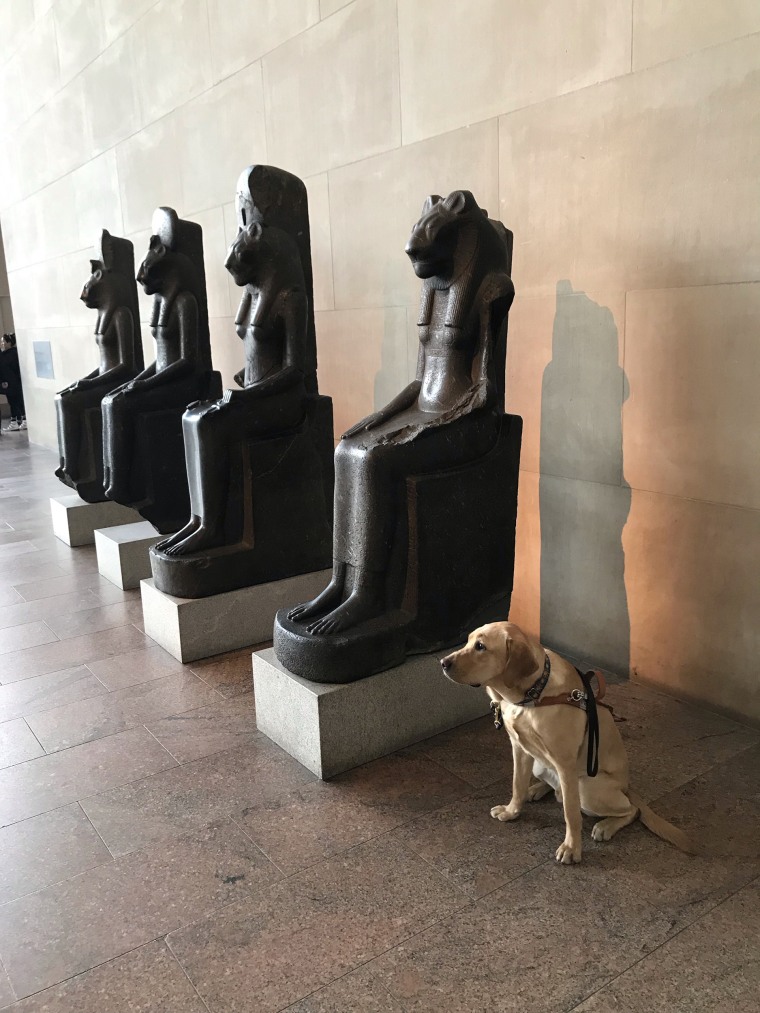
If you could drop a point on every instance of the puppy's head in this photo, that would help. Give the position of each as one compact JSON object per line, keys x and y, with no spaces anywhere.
{"x":498,"y":652}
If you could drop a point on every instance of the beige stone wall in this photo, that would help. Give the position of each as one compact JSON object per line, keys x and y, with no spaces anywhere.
{"x":617,"y":138}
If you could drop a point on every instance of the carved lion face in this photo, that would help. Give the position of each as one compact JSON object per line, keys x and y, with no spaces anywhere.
{"x":433,"y":240}
{"x":245,"y":252}
{"x":92,"y":292}
{"x":153,"y":268}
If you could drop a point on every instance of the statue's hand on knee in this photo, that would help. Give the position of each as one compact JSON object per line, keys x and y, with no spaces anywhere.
{"x":370,"y":422}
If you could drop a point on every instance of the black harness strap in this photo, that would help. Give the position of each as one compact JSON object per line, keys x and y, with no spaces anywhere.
{"x":592,"y":717}
{"x":584,"y":700}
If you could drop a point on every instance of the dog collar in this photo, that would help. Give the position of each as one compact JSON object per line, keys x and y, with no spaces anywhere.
{"x":532,"y":696}
{"x":529,"y":700}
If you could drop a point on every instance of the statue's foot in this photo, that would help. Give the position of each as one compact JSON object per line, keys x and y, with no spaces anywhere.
{"x":177,"y":537}
{"x":115,"y":493}
{"x":357,"y":608}
{"x":61,"y":473}
{"x":324,"y":602}
{"x":201,"y":540}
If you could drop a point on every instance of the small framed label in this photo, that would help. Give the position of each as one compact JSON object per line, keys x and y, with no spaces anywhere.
{"x":43,"y":360}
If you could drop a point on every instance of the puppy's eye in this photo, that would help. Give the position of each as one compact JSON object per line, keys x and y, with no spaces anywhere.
{"x":479,"y":645}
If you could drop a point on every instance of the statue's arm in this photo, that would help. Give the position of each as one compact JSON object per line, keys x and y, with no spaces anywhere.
{"x":403,"y":400}
{"x":146,"y":374}
{"x":81,"y":384}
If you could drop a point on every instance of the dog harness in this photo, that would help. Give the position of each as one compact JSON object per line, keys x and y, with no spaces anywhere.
{"x":584,"y":699}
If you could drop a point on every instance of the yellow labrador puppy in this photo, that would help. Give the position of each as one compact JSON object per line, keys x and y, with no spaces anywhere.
{"x":551,"y":742}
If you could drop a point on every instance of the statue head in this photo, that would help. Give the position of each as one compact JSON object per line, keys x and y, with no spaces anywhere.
{"x":247,"y":251}
{"x":173,"y":239}
{"x":432,"y":244}
{"x":112,"y":269}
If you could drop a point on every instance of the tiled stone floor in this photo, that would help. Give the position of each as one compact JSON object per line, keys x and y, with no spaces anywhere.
{"x":158,"y":855}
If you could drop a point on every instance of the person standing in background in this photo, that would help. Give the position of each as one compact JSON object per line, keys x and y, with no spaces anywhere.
{"x":10,"y":383}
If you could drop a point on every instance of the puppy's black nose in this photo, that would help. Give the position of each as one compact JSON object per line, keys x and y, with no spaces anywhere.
{"x":446,"y":664}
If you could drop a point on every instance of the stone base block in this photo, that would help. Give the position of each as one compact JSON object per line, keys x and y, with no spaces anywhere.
{"x":123,"y":552}
{"x":193,"y":628}
{"x":332,"y":727}
{"x":75,"y":521}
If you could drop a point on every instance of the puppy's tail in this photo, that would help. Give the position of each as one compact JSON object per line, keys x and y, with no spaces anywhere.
{"x":662,"y":828}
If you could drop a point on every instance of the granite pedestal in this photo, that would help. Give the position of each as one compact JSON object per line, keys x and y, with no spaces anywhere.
{"x":193,"y":628}
{"x":332,"y":727}
{"x":123,"y":552}
{"x":75,"y":521}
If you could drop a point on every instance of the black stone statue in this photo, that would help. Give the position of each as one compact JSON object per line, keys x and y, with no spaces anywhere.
{"x":425,"y":488}
{"x":260,"y":460}
{"x":111,"y":290}
{"x":143,"y":449}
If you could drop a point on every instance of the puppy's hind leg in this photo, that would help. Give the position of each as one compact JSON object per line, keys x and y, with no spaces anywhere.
{"x":537,"y":790}
{"x":608,"y":800}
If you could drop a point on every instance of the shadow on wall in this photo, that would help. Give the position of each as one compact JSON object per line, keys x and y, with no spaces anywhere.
{"x":584,"y":498}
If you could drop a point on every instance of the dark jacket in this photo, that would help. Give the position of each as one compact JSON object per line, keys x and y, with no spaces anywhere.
{"x":10,"y":371}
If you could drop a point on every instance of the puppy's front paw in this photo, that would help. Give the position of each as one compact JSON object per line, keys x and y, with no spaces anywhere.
{"x":567,"y":854}
{"x":504,"y":813}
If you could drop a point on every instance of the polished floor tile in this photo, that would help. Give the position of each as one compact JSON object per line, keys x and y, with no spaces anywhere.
{"x":94,"y":620}
{"x":69,"y":653}
{"x":538,"y":945}
{"x":69,"y":927}
{"x":146,"y":980}
{"x":50,"y":781}
{"x":10,"y":549}
{"x":50,"y":585}
{"x":231,"y":674}
{"x":711,"y":967}
{"x":7,"y":995}
{"x":46,"y":608}
{"x":357,"y":992}
{"x":110,"y":713}
{"x":17,"y":743}
{"x":28,"y":696}
{"x":223,"y":724}
{"x":324,"y":818}
{"x":476,"y":752}
{"x":9,"y":596}
{"x":47,"y":849}
{"x":135,"y":667}
{"x":285,"y":942}
{"x":18,"y":638}
{"x":720,"y":808}
{"x":166,"y":804}
{"x":477,"y":853}
{"x":688,"y":739}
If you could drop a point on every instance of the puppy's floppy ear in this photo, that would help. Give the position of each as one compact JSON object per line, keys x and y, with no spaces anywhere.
{"x":520,"y":662}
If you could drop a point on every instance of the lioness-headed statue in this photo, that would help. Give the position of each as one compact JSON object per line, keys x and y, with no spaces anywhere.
{"x":449,"y":418}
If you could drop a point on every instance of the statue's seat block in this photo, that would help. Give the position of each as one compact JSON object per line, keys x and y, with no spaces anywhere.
{"x":278,"y":484}
{"x":451,"y":583}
